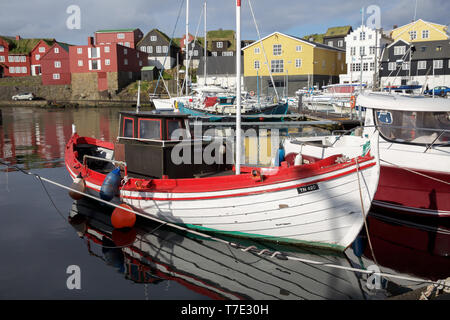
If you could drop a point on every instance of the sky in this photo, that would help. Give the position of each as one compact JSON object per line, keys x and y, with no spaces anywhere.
{"x":48,"y":18}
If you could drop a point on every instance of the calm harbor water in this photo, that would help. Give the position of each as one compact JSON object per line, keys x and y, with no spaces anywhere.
{"x":43,"y":232}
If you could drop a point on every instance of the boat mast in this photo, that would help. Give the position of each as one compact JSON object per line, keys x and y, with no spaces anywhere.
{"x":238,"y":87}
{"x":186,"y":47}
{"x":138,"y":103}
{"x":205,"y":49}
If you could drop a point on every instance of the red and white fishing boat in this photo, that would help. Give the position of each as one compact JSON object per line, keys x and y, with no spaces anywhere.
{"x":304,"y":200}
{"x":317,"y":202}
{"x":414,"y":151}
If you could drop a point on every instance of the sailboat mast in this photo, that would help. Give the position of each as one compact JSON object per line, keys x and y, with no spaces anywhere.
{"x":238,"y":87}
{"x":205,"y":49}
{"x":186,"y":48}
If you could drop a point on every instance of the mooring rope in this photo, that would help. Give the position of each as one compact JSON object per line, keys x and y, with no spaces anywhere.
{"x":278,"y":255}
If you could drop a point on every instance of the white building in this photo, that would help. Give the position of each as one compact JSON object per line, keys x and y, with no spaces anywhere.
{"x":364,"y":47}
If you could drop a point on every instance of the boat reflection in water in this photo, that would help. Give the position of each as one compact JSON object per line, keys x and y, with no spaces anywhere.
{"x":150,"y":253}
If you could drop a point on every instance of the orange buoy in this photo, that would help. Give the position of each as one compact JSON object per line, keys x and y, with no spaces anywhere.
{"x":123,"y":219}
{"x":123,"y":238}
{"x":80,"y":185}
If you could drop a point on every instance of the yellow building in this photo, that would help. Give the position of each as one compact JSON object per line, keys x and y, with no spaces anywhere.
{"x":420,"y":31}
{"x":294,"y":63}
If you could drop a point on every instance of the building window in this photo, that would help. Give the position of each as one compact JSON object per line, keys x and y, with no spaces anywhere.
{"x":298,"y":48}
{"x":277,"y":66}
{"x":144,"y":49}
{"x":80,"y":63}
{"x":140,"y":63}
{"x":413,"y":35}
{"x":165,"y":49}
{"x":41,"y":49}
{"x":11,"y":70}
{"x":399,"y":50}
{"x":277,"y":50}
{"x":340,"y":43}
{"x":392,"y":66}
{"x":125,"y":51}
{"x":257,"y":51}
{"x":10,"y":59}
{"x":298,"y":63}
{"x":214,"y":54}
{"x":438,"y":64}
{"x":425,"y":34}
{"x":195,"y":52}
{"x":362,"y":51}
{"x":106,"y":49}
{"x":353,"y":51}
{"x":79,"y":50}
{"x":324,"y":64}
{"x":227,"y":54}
{"x":57,"y":64}
{"x":372,"y":50}
{"x":56,"y":50}
{"x":153,"y":38}
{"x":120,"y":36}
{"x":107,"y":62}
{"x":372,"y":66}
{"x":94,"y":52}
{"x":149,"y":49}
{"x":439,"y":48}
{"x":405,"y":66}
{"x":23,"y":59}
{"x":362,"y":36}
{"x":24,"y":69}
{"x":2,"y":58}
{"x":330,"y":43}
{"x":219,"y":44}
{"x":357,"y":66}
{"x":94,"y":65}
{"x":125,"y":62}
{"x":158,"y":49}
{"x":16,"y":59}
{"x":2,"y":49}
{"x":56,"y":76}
{"x":256,"y":64}
{"x":422,"y":65}
{"x":365,"y":66}
{"x":38,"y":56}
{"x":127,"y":44}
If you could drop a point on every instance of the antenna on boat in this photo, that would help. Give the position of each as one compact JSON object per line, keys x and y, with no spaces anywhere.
{"x":138,"y":103}
{"x":238,"y":87}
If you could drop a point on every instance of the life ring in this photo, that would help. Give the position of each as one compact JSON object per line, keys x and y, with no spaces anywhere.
{"x":252,"y":93}
{"x":352,"y":102}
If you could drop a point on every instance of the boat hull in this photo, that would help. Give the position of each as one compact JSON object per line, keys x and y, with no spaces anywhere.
{"x":320,"y":205}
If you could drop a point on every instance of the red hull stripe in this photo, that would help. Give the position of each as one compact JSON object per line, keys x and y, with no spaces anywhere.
{"x":254,"y":192}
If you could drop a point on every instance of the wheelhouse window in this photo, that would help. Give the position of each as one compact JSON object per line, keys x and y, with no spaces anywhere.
{"x":128,"y":128}
{"x":173,"y":125}
{"x":414,"y":127}
{"x":149,"y":129}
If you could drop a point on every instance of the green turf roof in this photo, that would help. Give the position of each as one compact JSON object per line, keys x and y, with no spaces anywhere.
{"x":338,"y":31}
{"x":318,"y":38}
{"x":24,"y":46}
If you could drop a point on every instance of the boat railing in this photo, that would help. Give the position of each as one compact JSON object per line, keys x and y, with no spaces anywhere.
{"x":163,"y":143}
{"x":122,"y":163}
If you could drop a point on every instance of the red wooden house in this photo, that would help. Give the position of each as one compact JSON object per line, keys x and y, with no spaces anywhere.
{"x":114,"y":64}
{"x":125,"y":37}
{"x":15,"y":55}
{"x":55,"y":65}
{"x":39,"y":50}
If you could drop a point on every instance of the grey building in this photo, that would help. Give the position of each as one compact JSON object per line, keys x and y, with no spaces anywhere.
{"x":219,"y":71}
{"x":162,"y":52}
{"x":429,"y":64}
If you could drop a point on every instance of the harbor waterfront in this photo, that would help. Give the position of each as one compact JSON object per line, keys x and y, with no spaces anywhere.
{"x":46,"y":235}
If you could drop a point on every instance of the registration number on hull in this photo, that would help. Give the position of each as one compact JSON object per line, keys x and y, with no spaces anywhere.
{"x":304,"y":189}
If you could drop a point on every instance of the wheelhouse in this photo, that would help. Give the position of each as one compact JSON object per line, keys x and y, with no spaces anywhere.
{"x":160,"y":145}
